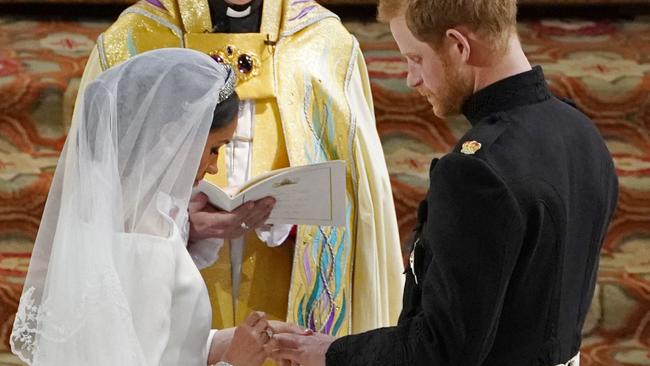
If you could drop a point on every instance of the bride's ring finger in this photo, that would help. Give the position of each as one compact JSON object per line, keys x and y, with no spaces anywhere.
{"x":244,"y":226}
{"x":266,"y":334}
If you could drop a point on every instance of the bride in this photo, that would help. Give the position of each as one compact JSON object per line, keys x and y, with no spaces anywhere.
{"x":110,"y":281}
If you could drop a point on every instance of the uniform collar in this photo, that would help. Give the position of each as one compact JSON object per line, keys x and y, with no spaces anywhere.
{"x":515,"y":91}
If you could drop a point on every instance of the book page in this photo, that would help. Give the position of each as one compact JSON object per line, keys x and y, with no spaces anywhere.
{"x":307,"y":195}
{"x":218,"y":197}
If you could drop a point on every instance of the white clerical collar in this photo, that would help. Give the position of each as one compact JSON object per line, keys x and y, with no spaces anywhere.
{"x":232,"y":13}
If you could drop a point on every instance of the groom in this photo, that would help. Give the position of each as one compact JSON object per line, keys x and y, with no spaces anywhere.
{"x":504,"y":265}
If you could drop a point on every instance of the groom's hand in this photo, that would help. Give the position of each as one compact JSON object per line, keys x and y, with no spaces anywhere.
{"x":305,"y":350}
{"x":282,"y":327}
{"x":206,"y":221}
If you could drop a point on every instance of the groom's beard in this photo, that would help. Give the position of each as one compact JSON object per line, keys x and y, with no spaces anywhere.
{"x":229,"y":18}
{"x":448,"y":99}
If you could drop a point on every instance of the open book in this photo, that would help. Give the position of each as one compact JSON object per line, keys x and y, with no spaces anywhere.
{"x":306,"y":195}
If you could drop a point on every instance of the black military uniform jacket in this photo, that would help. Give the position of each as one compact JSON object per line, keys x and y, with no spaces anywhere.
{"x":509,"y":239}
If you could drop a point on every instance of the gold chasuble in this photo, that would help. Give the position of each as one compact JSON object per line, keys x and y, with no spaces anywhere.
{"x":307,"y":77}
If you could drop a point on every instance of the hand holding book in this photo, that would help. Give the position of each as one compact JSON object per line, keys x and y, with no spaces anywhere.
{"x":307,"y":195}
{"x":210,"y":222}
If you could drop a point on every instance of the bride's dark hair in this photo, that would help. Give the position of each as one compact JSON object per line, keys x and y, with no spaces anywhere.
{"x":225,"y":112}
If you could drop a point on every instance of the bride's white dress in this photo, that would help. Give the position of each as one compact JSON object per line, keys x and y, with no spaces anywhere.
{"x":110,"y":281}
{"x":170,"y":306}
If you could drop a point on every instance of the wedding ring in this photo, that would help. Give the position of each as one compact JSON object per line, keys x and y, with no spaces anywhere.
{"x":267,"y":334}
{"x":244,"y":226}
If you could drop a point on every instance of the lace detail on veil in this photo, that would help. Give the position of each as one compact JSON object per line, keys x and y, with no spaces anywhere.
{"x":23,"y":338}
{"x":34,"y":321}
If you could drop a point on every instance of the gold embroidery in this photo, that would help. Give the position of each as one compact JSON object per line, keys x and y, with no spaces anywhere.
{"x":247,"y":64}
{"x":470,"y":147}
{"x":260,"y":84}
{"x":195,"y":15}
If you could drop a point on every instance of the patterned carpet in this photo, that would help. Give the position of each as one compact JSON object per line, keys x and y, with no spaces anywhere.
{"x":604,"y":66}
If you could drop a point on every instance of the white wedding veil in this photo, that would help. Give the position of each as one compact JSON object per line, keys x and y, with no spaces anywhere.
{"x":133,"y":153}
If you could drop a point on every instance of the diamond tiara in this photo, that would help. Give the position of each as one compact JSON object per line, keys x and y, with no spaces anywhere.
{"x":229,"y":85}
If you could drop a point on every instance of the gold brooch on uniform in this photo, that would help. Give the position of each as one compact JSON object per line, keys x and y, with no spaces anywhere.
{"x":470,"y":147}
{"x":247,"y":64}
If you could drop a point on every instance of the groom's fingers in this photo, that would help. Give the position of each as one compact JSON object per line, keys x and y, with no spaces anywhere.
{"x":288,"y":341}
{"x":280,"y":327}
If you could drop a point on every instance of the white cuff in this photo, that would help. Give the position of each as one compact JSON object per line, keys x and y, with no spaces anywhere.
{"x":209,"y":345}
{"x":205,"y":252}
{"x":275,"y":235}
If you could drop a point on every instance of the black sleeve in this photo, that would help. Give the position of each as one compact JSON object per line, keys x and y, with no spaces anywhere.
{"x":474,"y":233}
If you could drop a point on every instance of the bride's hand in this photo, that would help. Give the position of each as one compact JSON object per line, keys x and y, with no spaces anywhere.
{"x":252,"y":342}
{"x":209,"y":222}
